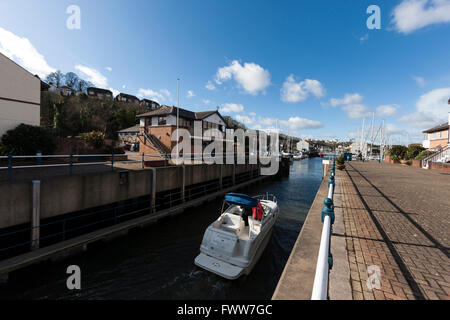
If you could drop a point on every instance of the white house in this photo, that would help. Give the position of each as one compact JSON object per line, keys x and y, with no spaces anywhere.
{"x":302,"y":145}
{"x":20,"y":96}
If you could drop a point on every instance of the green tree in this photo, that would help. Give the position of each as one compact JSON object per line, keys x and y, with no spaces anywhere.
{"x":414,"y":150}
{"x":58,"y":117}
{"x":26,"y":140}
{"x":398,"y":152}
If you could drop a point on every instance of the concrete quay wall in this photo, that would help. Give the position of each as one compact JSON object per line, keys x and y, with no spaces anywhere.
{"x":61,"y":195}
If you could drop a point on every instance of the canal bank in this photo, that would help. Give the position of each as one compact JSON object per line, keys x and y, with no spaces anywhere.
{"x":296,"y":281}
{"x":157,"y":261}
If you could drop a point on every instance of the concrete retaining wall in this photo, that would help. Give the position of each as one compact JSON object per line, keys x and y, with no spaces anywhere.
{"x":63,"y":195}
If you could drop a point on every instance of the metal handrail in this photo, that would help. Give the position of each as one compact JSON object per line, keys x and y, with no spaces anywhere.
{"x":325,"y":258}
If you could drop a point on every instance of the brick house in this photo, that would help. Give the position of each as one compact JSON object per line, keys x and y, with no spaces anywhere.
{"x":437,"y":137}
{"x":157,"y":126}
{"x":123,"y":97}
{"x":99,"y":93}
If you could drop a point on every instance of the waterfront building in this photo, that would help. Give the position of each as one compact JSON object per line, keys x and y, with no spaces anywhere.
{"x":302,"y":145}
{"x":437,"y":137}
{"x":129,"y":135}
{"x":20,"y":96}
{"x":157,"y":126}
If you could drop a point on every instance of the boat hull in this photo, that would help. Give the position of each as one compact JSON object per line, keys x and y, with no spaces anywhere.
{"x":228,"y":270}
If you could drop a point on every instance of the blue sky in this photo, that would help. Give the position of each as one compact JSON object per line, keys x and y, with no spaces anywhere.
{"x":310,"y":68}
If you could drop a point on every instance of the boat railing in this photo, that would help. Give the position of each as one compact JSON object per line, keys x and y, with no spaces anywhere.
{"x":267,"y":196}
{"x":325,"y":258}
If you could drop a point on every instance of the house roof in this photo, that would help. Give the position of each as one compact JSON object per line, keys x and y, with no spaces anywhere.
{"x":204,"y":114}
{"x":99,"y":90}
{"x":135,"y":128}
{"x":443,"y":126}
{"x":129,"y":96}
{"x":166,"y":110}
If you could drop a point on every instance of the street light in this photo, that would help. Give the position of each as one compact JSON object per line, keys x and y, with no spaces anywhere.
{"x":178,"y":113}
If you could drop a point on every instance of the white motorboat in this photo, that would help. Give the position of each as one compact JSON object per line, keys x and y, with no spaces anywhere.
{"x":299,"y":156}
{"x":233,"y":243}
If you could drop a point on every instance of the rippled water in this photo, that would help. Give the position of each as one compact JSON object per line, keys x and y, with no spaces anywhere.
{"x":158,"y":262}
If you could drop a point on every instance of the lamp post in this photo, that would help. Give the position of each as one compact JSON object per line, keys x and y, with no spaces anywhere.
{"x":178,"y":113}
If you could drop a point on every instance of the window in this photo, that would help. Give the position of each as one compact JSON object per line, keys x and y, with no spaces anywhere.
{"x":161,"y":121}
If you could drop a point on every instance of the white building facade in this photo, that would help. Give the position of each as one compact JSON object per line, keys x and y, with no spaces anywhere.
{"x":20,"y":96}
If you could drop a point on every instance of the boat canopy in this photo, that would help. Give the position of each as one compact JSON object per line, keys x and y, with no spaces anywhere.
{"x":241,"y":199}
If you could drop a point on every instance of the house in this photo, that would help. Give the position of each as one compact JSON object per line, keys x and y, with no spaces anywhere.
{"x":20,"y":96}
{"x":437,"y":137}
{"x":302,"y":145}
{"x":129,"y":136}
{"x":123,"y":97}
{"x":66,"y":91}
{"x":99,"y":93}
{"x":150,"y":104}
{"x":366,"y":149}
{"x":157,"y":127}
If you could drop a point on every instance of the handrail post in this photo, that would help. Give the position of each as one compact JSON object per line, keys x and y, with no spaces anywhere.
{"x":112,"y":161}
{"x":10,"y":158}
{"x":70,"y":163}
{"x":143,"y":155}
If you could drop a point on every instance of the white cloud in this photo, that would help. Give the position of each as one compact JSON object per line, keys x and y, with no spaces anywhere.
{"x":420,"y":81}
{"x":245,"y":119}
{"x":210,"y":86}
{"x":206,"y":101}
{"x":250,"y":76}
{"x":349,"y":98}
{"x":431,"y":109}
{"x":352,"y":105}
{"x":124,"y":86}
{"x":190,"y":94}
{"x":435,"y":103}
{"x":24,"y":53}
{"x":161,"y":96}
{"x":252,"y":114}
{"x":92,"y":75}
{"x":109,"y":69}
{"x":114,"y":91}
{"x":386,"y":111}
{"x":298,"y":91}
{"x":231,"y":107}
{"x":411,"y":15}
{"x":297,"y":123}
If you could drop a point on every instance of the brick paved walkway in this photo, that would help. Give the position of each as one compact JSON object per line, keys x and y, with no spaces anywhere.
{"x":397,"y":219}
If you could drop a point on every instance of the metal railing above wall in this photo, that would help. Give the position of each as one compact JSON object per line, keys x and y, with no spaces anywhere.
{"x":71,"y":161}
{"x":325,"y":258}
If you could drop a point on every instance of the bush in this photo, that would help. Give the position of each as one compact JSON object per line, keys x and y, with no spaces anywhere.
{"x":340,"y":160}
{"x":424,"y":154}
{"x":414,"y":150}
{"x":409,"y":162}
{"x":400,"y":152}
{"x":95,"y":139}
{"x":27,"y":140}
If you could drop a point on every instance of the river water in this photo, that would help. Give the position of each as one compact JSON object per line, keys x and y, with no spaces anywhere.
{"x":157,"y":262}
